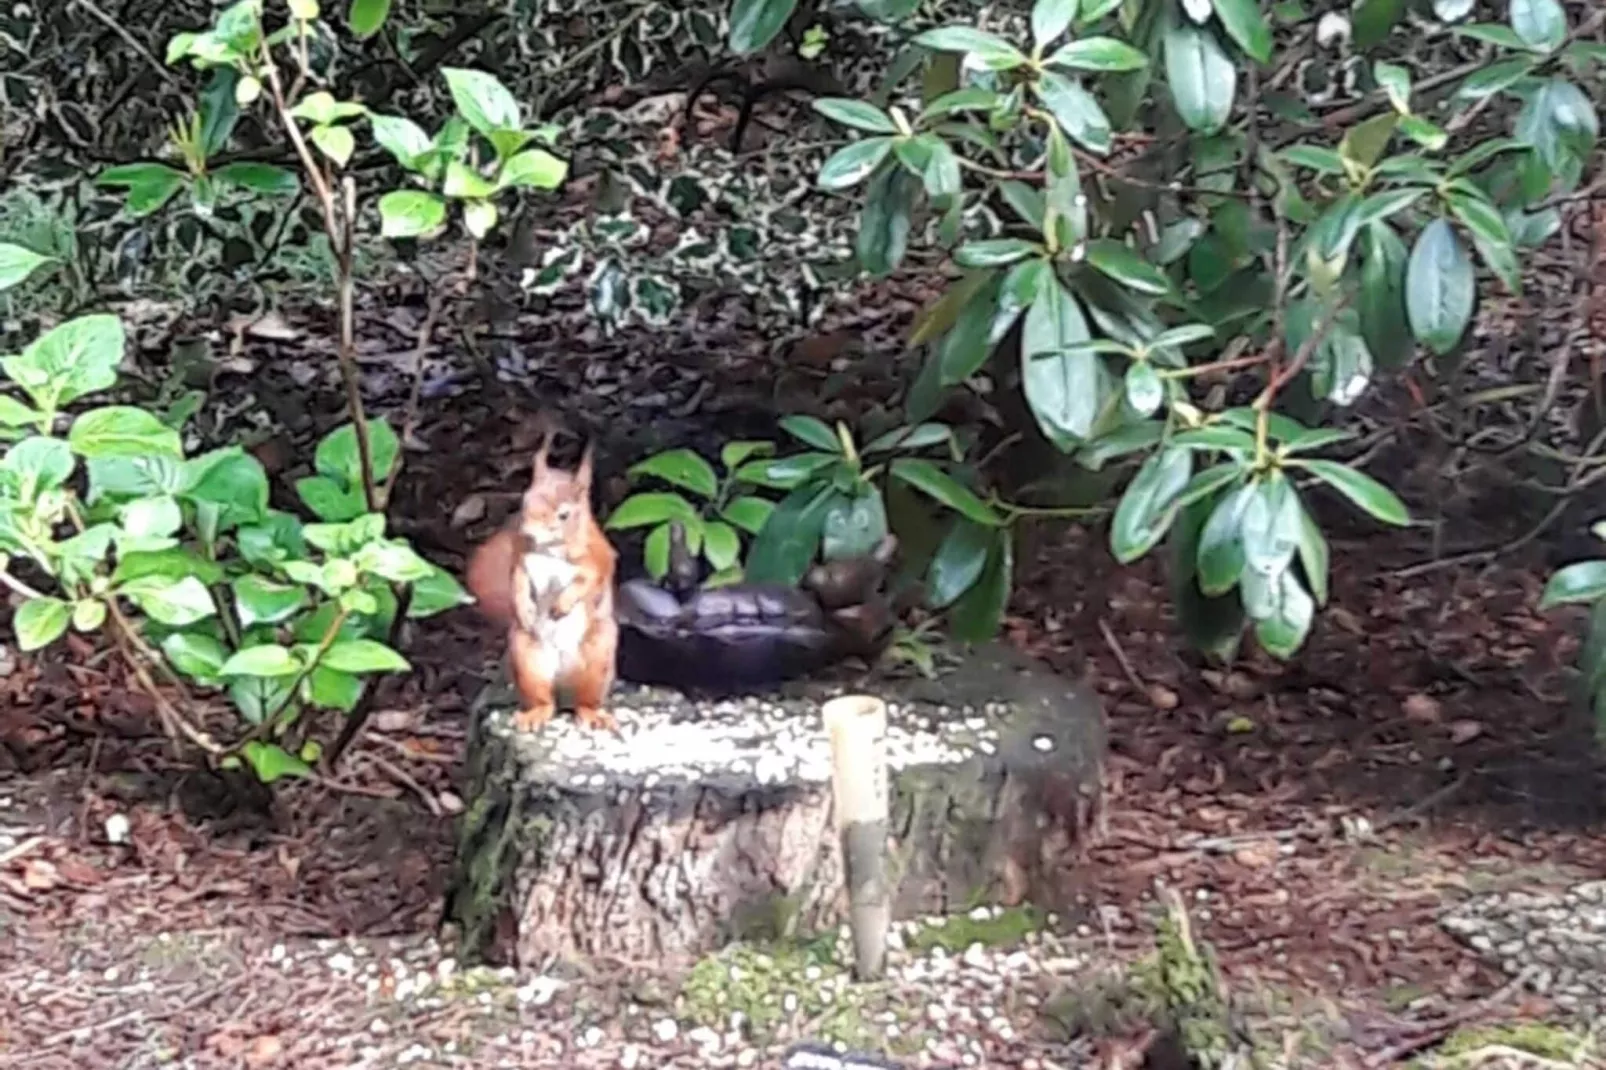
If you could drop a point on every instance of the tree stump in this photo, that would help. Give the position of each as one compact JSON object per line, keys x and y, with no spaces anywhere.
{"x":710,"y":821}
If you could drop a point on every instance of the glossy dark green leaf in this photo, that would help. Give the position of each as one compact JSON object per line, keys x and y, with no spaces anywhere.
{"x":1314,"y":555}
{"x":976,"y":616}
{"x":1440,"y":288}
{"x":1542,"y":24}
{"x":1361,"y":489}
{"x":363,"y":655}
{"x":857,"y":114}
{"x":883,"y":237}
{"x":1122,"y":263}
{"x":1583,"y":581}
{"x":784,"y":550}
{"x":1372,"y":20}
{"x":932,"y":481}
{"x":649,"y":508}
{"x":1050,"y":19}
{"x":1270,"y":526}
{"x":1076,"y":111}
{"x":854,"y":163}
{"x":1212,"y":624}
{"x":1220,"y":555}
{"x":1149,"y":504}
{"x":990,"y":50}
{"x":1202,"y":78}
{"x":1101,"y":54}
{"x":1144,"y":389}
{"x":995,"y":252}
{"x":812,"y":431}
{"x":1289,"y":612}
{"x":1560,"y":123}
{"x":1247,"y":26}
{"x":749,"y":513}
{"x":1061,"y":383}
{"x":965,"y":348}
{"x":958,"y":562}
{"x":198,"y":656}
{"x":754,"y":23}
{"x":1380,"y":302}
{"x":1496,"y":78}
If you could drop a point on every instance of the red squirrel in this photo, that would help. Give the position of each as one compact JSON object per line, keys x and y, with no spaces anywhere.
{"x":548,"y":576}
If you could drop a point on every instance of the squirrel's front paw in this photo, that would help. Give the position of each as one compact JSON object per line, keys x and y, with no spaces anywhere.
{"x":592,"y":717}
{"x":532,"y":718}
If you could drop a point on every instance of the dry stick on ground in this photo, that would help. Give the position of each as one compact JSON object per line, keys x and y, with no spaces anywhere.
{"x":1432,"y":1033}
{"x":1120,"y":656}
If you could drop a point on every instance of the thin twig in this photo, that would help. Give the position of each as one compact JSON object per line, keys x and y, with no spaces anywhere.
{"x":401,"y":776}
{"x":1434,"y":1032}
{"x":1120,"y":656}
{"x":414,"y":397}
{"x":129,"y":39}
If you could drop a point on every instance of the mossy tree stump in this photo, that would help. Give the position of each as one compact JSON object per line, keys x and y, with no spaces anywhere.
{"x":710,"y":821}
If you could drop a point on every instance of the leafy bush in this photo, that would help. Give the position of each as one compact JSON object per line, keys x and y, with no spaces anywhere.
{"x":1299,"y":252}
{"x":195,"y":575}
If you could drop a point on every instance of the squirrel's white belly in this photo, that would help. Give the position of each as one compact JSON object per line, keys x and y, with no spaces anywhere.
{"x":558,"y":638}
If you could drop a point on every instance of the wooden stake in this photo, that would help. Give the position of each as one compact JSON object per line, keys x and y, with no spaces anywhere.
{"x":857,"y":725}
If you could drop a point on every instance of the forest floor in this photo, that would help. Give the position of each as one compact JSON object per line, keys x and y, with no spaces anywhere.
{"x":1316,"y":817}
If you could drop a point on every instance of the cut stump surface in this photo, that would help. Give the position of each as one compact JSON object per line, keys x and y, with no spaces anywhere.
{"x":710,"y":821}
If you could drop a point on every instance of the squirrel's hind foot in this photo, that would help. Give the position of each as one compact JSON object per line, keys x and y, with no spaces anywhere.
{"x":533,"y":718}
{"x":595,"y":717}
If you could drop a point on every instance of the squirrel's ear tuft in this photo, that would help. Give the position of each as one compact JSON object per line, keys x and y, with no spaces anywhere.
{"x":582,"y":474}
{"x":539,"y":470}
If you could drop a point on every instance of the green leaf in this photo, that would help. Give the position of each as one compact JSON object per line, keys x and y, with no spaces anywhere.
{"x":965,"y":348}
{"x":173,"y":563}
{"x":271,"y":761}
{"x":1489,"y":233}
{"x":38,"y":464}
{"x":958,"y":562}
{"x":88,"y":615}
{"x":482,"y":100}
{"x":398,"y":135}
{"x":978,"y":613}
{"x":785,"y":473}
{"x":436,"y":593}
{"x":926,"y":477}
{"x":1283,"y":628}
{"x":1542,"y":24}
{"x":1496,"y":78}
{"x":463,"y":182}
{"x":175,"y":603}
{"x":754,"y":23}
{"x":1244,"y":23}
{"x":1120,"y":262}
{"x":854,"y":524}
{"x":330,"y":501}
{"x":14,"y":413}
{"x":332,"y":689}
{"x":17,"y":263}
{"x":259,"y":600}
{"x":857,"y":114}
{"x":1380,"y":303}
{"x":363,"y":655}
{"x":749,"y":513}
{"x":884,"y":223}
{"x":1144,"y":390}
{"x":1050,"y":18}
{"x":335,"y":142}
{"x":535,"y":168}
{"x":1314,"y":555}
{"x":1584,"y":581}
{"x":721,"y":545}
{"x":991,"y":51}
{"x":196,"y":655}
{"x":812,"y":431}
{"x":1075,"y":110}
{"x":1211,"y":624}
{"x":1098,"y":54}
{"x":1220,"y":557}
{"x":1315,"y":157}
{"x":149,"y":185}
{"x":1560,"y":123}
{"x":410,"y":214}
{"x":1061,"y":383}
{"x":854,"y":163}
{"x":365,"y":17}
{"x":232,"y":480}
{"x":122,"y":431}
{"x":785,"y":548}
{"x":1202,"y":78}
{"x":39,"y":622}
{"x":262,"y":178}
{"x":69,"y":361}
{"x":681,"y":467}
{"x":1149,"y":505}
{"x":156,"y":517}
{"x":651,"y":507}
{"x":1270,"y":527}
{"x":1361,"y":489}
{"x":995,"y":252}
{"x":263,"y":659}
{"x":1373,"y":19}
{"x":338,"y":456}
{"x":1440,"y":288}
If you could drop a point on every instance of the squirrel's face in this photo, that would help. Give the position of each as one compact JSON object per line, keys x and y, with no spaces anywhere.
{"x":553,"y":513}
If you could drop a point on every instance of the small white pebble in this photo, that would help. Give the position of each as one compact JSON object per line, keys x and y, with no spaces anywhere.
{"x":665,"y":1029}
{"x":591,"y":1037}
{"x":629,"y":1057}
{"x":1043,"y":743}
{"x":342,"y":963}
{"x":117,"y":829}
